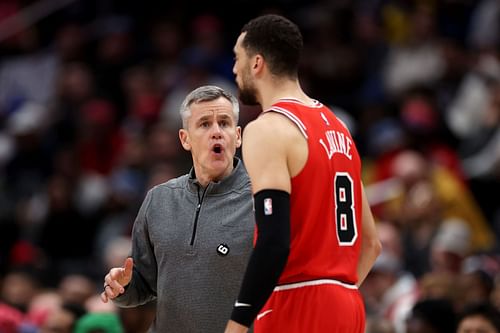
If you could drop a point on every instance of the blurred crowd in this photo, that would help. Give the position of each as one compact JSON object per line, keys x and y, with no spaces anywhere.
{"x":89,"y":99}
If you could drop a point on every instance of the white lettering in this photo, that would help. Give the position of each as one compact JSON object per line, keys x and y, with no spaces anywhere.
{"x":338,"y":143}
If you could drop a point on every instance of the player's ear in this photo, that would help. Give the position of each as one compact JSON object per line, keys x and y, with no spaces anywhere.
{"x":184,"y":138}
{"x":257,"y":63}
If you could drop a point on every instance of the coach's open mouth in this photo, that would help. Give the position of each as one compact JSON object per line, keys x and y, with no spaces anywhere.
{"x":217,"y":148}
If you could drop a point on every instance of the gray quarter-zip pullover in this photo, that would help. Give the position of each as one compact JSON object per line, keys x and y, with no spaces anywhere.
{"x":190,"y":248}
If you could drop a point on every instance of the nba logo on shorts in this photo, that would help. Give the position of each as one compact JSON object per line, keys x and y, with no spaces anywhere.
{"x":268,"y":206}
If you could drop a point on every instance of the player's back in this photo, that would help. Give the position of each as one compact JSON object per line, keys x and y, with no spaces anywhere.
{"x":325,"y":198}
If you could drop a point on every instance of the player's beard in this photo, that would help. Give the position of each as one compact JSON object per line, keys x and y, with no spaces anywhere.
{"x":247,"y":92}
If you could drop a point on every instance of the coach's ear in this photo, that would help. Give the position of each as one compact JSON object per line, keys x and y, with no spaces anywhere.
{"x":184,"y":138}
{"x":238,"y":136}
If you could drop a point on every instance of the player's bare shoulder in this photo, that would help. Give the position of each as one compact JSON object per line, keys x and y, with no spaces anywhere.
{"x":286,"y":137}
{"x":279,"y":126}
{"x":266,"y":127}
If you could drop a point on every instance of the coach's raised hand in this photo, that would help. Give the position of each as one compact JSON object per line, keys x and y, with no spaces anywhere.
{"x":116,"y":280}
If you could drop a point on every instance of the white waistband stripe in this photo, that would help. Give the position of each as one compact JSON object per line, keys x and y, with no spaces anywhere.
{"x":314,"y":283}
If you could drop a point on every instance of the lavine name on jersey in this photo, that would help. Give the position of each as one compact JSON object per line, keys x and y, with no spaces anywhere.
{"x":338,"y":143}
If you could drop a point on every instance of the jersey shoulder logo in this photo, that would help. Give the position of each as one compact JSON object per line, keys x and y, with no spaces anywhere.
{"x":324,"y":119}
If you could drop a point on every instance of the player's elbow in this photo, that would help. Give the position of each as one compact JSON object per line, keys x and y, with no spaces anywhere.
{"x":275,"y":249}
{"x":371,"y":244}
{"x":280,"y":253}
{"x":375,"y":246}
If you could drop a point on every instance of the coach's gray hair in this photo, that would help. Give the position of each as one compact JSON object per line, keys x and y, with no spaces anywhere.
{"x":206,"y":94}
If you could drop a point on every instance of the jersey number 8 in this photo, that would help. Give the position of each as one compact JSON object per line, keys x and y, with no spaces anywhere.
{"x":345,"y":217}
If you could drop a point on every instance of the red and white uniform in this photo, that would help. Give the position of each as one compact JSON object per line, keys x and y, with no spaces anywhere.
{"x":326,"y":220}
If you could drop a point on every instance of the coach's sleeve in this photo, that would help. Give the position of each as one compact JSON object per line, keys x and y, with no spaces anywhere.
{"x":141,"y":288}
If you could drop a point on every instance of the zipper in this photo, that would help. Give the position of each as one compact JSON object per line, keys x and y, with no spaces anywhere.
{"x":198,"y":208}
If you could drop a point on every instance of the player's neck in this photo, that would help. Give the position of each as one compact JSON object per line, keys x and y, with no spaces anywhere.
{"x":272,"y":93}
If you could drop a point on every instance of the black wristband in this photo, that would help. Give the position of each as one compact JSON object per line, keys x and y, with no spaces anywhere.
{"x":269,"y":256}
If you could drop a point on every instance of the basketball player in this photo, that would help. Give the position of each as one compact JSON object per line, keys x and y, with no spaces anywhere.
{"x":316,"y":237}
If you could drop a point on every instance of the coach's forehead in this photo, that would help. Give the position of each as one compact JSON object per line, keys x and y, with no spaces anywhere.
{"x":220,"y":107}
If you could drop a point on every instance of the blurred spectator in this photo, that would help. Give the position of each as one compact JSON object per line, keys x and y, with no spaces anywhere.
{"x":160,"y":173}
{"x":40,"y":308}
{"x":450,"y":246}
{"x":431,"y":194}
{"x":331,"y":65}
{"x":495,"y":294}
{"x":426,"y":130}
{"x":143,"y":97}
{"x":76,"y":288}
{"x":63,"y":254}
{"x":167,"y":44}
{"x":470,"y":102}
{"x":432,"y":316}
{"x":480,"y":155}
{"x":163,"y":147}
{"x":372,"y":48}
{"x":438,"y":285}
{"x":29,"y":77}
{"x":104,"y":322}
{"x":10,"y":318}
{"x":28,"y":166}
{"x":476,"y":286}
{"x":75,"y":86}
{"x":390,"y":291}
{"x":479,"y":317}
{"x":62,"y":319}
{"x":379,"y":325}
{"x":126,"y":186}
{"x":18,"y":288}
{"x":71,"y":41}
{"x":204,"y":61}
{"x":207,"y":37}
{"x":114,"y":54}
{"x":118,"y":248}
{"x":417,"y":59}
{"x":100,"y":141}
{"x":481,"y":152}
{"x":484,"y":31}
{"x":8,"y":237}
{"x":94,"y":304}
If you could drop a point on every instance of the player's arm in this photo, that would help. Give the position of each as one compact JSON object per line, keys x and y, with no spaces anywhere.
{"x":370,"y":244}
{"x":265,"y":157}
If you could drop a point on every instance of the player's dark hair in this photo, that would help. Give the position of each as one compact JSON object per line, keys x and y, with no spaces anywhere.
{"x":278,"y":40}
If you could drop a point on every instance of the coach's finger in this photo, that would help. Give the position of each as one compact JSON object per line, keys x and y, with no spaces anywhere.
{"x":104,"y":297}
{"x":128,"y":265}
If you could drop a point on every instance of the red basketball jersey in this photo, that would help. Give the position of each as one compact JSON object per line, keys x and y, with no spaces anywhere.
{"x":326,"y":199}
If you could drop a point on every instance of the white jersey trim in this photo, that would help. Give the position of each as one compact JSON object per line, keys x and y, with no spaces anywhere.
{"x":317,"y":104}
{"x":314,"y":283}
{"x":292,"y":117}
